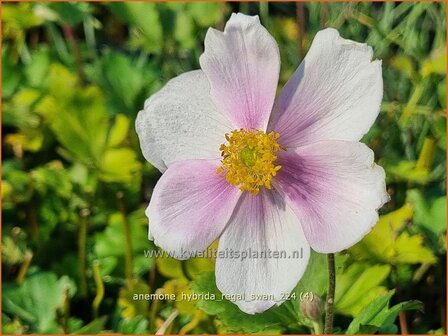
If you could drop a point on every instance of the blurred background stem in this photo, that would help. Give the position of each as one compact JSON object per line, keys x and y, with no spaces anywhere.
{"x":264,"y":13}
{"x":127,"y":237}
{"x":66,"y":310}
{"x":24,"y":267}
{"x":82,"y":242}
{"x":300,"y":22}
{"x":99,"y":288}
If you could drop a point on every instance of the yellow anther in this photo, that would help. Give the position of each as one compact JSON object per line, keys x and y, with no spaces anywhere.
{"x":248,"y":159}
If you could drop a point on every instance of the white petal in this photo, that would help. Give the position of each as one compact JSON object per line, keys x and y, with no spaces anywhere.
{"x":242,"y":65}
{"x":180,"y":122}
{"x":335,"y":94}
{"x":259,"y":224}
{"x":190,"y":207}
{"x":335,"y":189}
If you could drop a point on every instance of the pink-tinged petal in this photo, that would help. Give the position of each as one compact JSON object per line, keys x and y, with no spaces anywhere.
{"x":260,"y":224}
{"x":335,"y":94}
{"x":242,"y":65}
{"x":335,"y":189}
{"x":180,"y":122}
{"x":190,"y":207}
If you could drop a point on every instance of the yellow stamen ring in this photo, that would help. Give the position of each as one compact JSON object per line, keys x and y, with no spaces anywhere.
{"x":248,"y":159}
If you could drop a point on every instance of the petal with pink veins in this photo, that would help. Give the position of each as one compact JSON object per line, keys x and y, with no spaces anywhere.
{"x":335,"y":93}
{"x":242,"y":65}
{"x":190,"y":206}
{"x":261,"y":223}
{"x":335,"y":189}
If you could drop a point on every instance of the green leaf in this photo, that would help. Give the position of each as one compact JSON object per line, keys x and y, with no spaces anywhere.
{"x":77,"y":115}
{"x":36,"y":72}
{"x":429,"y":213}
{"x":170,"y":267}
{"x":207,"y":14}
{"x":353,"y":284}
{"x":19,"y":15}
{"x":135,"y":326}
{"x":52,"y":177}
{"x":70,"y":13}
{"x":122,"y":80}
{"x":178,"y":288}
{"x":130,"y":306}
{"x":120,"y":165}
{"x":20,"y":182}
{"x":435,"y":63}
{"x":386,"y":243}
{"x":18,"y":111}
{"x":315,"y":278}
{"x":185,"y":30}
{"x":377,"y":313}
{"x":272,"y":321}
{"x":404,"y":64}
{"x":13,"y":249}
{"x":144,"y":17}
{"x":441,"y":91}
{"x":410,"y":250}
{"x":119,"y":130}
{"x":37,"y":299}
{"x":111,"y":242}
{"x":408,"y":171}
{"x":94,"y":327}
{"x":11,"y":73}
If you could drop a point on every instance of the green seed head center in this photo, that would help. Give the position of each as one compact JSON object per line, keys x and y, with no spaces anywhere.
{"x":249,"y":156}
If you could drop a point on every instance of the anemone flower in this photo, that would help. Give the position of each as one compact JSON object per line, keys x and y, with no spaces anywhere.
{"x":260,"y":172}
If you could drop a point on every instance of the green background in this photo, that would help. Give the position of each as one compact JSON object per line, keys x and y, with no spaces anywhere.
{"x":75,"y":185}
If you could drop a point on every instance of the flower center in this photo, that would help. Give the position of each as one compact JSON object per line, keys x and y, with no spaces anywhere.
{"x":248,"y":159}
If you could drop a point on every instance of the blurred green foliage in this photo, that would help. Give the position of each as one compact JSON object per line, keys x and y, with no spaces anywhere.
{"x":75,"y":185}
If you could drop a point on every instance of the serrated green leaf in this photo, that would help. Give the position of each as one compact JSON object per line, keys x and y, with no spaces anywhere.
{"x":387,"y":244}
{"x":37,"y":299}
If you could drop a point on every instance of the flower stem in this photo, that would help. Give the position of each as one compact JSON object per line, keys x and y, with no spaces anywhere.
{"x":329,"y":314}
